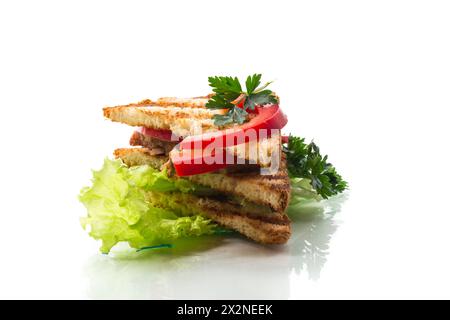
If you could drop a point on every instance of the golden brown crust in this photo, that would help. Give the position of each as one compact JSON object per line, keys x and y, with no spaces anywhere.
{"x":255,"y":229}
{"x":142,"y":103}
{"x":182,"y":121}
{"x":219,"y":206}
{"x":195,"y":102}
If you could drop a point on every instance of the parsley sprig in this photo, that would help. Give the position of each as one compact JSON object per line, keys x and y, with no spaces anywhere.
{"x":305,"y":161}
{"x":230,"y":95}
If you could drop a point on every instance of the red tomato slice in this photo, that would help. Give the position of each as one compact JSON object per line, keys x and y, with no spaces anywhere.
{"x":284,"y":139}
{"x":164,"y":135}
{"x":191,"y":164}
{"x":189,"y":158}
{"x":265,"y":119}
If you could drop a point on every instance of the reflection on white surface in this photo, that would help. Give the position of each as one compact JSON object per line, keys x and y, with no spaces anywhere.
{"x":219,"y":267}
{"x":313,"y":229}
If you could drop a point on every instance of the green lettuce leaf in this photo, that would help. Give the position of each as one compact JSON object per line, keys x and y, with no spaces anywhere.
{"x":119,"y":210}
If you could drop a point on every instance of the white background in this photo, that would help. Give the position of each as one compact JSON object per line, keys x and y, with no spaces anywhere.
{"x":368,"y":80}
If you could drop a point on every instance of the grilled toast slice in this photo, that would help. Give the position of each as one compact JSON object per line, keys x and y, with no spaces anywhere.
{"x":184,"y":117}
{"x":266,"y":229}
{"x":270,"y":190}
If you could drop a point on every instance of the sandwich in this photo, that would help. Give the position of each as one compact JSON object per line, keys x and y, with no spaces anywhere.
{"x":205,"y":165}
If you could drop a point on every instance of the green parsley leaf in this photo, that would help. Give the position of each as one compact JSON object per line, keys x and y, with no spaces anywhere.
{"x":305,"y":161}
{"x":221,"y":120}
{"x":252,"y":83}
{"x":234,"y":115}
{"x":260,"y":98}
{"x":218,"y":102}
{"x":228,"y":89}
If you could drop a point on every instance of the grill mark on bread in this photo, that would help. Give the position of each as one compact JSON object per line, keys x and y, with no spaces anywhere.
{"x":274,"y":217}
{"x":257,"y":229}
{"x":183,"y":121}
{"x":266,"y":230}
{"x":195,"y":102}
{"x":198,"y":102}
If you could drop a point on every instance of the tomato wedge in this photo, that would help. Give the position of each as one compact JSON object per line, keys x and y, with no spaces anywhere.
{"x":265,"y":119}
{"x":160,"y":134}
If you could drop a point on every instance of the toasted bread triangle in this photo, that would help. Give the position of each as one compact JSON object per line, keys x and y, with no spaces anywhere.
{"x":184,"y":117}
{"x":262,"y":229}
{"x":270,"y":190}
{"x":266,"y":228}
